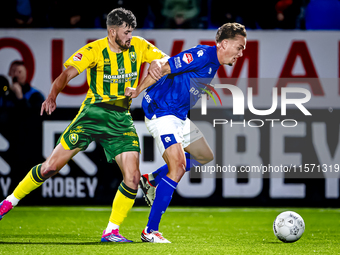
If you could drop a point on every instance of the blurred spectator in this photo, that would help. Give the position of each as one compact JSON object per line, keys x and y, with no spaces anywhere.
{"x":186,"y":14}
{"x":65,"y":13}
{"x":8,"y":98}
{"x":179,"y":14}
{"x":323,"y":14}
{"x":139,"y":8}
{"x":23,"y":15}
{"x":289,"y":14}
{"x":71,"y":14}
{"x":250,"y":13}
{"x":4,"y":92}
{"x":8,"y":13}
{"x":219,"y":15}
{"x":20,"y":92}
{"x":259,"y":14}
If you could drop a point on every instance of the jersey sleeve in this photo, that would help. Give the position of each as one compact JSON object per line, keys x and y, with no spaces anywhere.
{"x":150,"y":51}
{"x":83,"y":58}
{"x":189,"y":60}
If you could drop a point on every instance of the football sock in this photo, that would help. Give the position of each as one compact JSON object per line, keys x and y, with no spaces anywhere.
{"x":122,"y":204}
{"x":159,"y":174}
{"x":111,"y":226}
{"x":163,"y":170}
{"x":164,"y":191}
{"x":11,"y":198}
{"x":31,"y":181}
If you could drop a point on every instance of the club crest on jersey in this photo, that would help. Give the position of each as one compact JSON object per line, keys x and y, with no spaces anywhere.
{"x":178,"y":62}
{"x":78,"y":57}
{"x":73,"y":138}
{"x":188,"y":58}
{"x":133,"y":56}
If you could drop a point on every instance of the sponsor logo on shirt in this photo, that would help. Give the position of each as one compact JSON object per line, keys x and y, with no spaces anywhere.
{"x":78,"y":129}
{"x":121,"y":77}
{"x":187,"y":58}
{"x":168,"y":140}
{"x":147,"y":98}
{"x":194,"y":91}
{"x":178,"y":62}
{"x":200,"y":53}
{"x":130,"y":134}
{"x":78,"y":57}
{"x":121,"y":70}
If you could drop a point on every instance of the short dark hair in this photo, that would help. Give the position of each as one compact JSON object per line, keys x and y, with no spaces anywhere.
{"x":118,"y":16}
{"x":229,"y":31}
{"x":17,"y":62}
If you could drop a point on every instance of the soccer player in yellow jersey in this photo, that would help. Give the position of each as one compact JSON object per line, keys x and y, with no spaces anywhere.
{"x":112,"y":64}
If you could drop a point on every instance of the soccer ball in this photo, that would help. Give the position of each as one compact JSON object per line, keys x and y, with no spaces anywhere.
{"x":288,"y":227}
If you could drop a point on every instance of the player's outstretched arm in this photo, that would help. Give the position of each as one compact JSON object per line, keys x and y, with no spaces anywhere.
{"x":155,"y":69}
{"x":49,"y":105}
{"x":147,"y":82}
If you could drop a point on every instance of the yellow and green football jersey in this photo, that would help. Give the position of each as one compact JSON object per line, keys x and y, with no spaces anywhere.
{"x":109,"y":73}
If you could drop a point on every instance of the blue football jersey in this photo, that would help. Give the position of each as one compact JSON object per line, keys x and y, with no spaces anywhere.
{"x":176,"y":93}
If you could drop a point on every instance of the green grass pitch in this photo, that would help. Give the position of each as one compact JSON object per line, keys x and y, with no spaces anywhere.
{"x":192,"y":230}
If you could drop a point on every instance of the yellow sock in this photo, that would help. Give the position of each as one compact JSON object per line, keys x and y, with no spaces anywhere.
{"x":31,"y":181}
{"x":122,"y":204}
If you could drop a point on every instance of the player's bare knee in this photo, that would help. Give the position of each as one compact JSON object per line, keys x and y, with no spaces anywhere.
{"x":209,"y":157}
{"x":206,"y":158}
{"x":48,"y":170}
{"x":132,"y":178}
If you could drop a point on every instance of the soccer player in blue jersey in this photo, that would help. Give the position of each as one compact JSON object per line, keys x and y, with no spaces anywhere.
{"x":166,"y":104}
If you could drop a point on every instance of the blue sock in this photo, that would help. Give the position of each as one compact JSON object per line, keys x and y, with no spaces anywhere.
{"x":163,"y":170}
{"x":159,"y":174}
{"x":164,"y":191}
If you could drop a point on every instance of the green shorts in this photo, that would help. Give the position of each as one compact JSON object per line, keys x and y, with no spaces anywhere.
{"x":110,"y":126}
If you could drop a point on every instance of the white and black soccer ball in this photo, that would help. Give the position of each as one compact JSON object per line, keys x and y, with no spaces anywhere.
{"x":288,"y":227}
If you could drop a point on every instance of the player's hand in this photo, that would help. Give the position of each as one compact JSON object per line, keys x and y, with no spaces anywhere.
{"x":155,"y":69}
{"x":48,"y":106}
{"x":131,"y":92}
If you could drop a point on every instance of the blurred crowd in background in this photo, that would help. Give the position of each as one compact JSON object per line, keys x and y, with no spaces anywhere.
{"x":172,"y":14}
